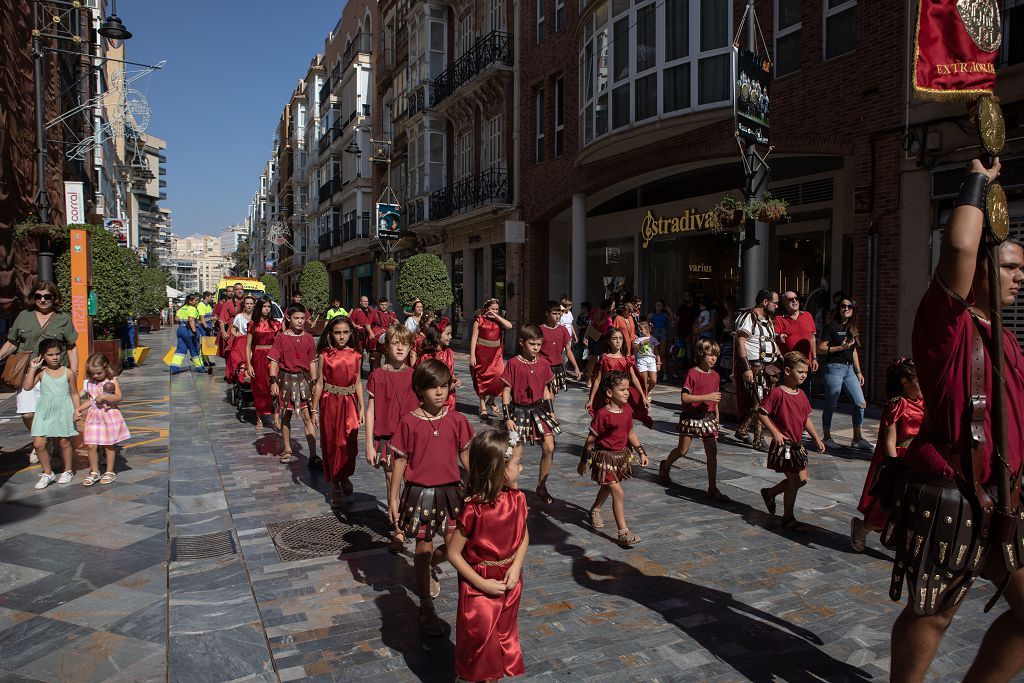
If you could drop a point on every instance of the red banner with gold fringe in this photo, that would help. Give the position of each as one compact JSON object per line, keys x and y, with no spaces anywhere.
{"x":955,"y":48}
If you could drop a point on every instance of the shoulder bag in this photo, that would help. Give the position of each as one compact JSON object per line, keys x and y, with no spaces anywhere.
{"x":17,"y":363}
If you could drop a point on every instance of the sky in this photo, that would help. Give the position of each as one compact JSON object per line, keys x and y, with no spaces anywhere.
{"x":231,"y":67}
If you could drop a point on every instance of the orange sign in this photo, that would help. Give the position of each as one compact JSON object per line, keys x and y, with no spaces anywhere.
{"x":81,"y":280}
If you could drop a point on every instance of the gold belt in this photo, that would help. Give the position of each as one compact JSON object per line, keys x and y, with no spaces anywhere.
{"x":905,"y":443}
{"x":498,"y":563}
{"x":484,"y":342}
{"x":264,"y":346}
{"x":340,"y":391}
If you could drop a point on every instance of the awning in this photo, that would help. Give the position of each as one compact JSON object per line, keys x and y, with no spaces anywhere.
{"x":172,"y":293}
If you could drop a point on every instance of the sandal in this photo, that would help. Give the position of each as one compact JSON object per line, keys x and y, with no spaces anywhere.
{"x":337,"y":500}
{"x":858,"y":534}
{"x":545,"y":497}
{"x":91,"y":479}
{"x":664,"y":478}
{"x":286,"y":458}
{"x":627,"y":538}
{"x":108,"y":478}
{"x":792,"y":525}
{"x":431,"y":624}
{"x":720,"y":497}
{"x":595,"y":518}
{"x":484,"y":415}
{"x":769,"y":501}
{"x":435,"y":583}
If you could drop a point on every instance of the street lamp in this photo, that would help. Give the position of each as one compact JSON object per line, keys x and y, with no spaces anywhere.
{"x":113,"y":28}
{"x":353,"y":148}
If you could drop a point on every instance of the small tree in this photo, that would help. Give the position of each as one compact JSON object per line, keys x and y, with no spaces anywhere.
{"x":241,"y":258}
{"x":425,"y":277}
{"x":153,"y":297}
{"x":314,"y":286}
{"x":273,"y":286}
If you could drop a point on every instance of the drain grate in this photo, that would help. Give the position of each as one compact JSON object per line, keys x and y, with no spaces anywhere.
{"x":301,"y":539}
{"x":204,"y":546}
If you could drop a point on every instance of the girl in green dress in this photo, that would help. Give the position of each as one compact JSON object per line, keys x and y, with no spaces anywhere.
{"x":56,"y":409}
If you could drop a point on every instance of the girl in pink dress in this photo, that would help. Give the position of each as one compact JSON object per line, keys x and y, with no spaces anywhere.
{"x":615,"y":359}
{"x":338,"y":404}
{"x":104,"y":424}
{"x":488,"y":549}
{"x":486,"y":362}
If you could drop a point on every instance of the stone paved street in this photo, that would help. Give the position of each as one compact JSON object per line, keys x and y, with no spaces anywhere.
{"x":99,"y":585}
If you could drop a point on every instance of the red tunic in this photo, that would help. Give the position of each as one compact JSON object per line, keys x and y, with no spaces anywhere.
{"x":490,"y":363}
{"x":611,"y":429}
{"x":698,"y":383}
{"x":526,"y":379}
{"x":798,"y":333}
{"x":225,"y":311}
{"x":626,"y":364}
{"x":393,"y":398}
{"x":236,"y":354}
{"x":339,"y":414}
{"x":487,"y":627}
{"x":431,"y":460}
{"x":555,"y":341}
{"x":788,"y":412}
{"x":361,"y":318}
{"x":293,"y":353}
{"x":263,"y":335}
{"x":942,"y":356}
{"x":380,"y":323}
{"x":447,"y":357}
{"x":905,"y":416}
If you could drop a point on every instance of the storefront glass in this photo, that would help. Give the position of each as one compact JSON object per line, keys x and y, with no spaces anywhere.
{"x":364,"y":278}
{"x":610,"y":269}
{"x":498,"y":274}
{"x":705,"y":264}
{"x":458,"y":290}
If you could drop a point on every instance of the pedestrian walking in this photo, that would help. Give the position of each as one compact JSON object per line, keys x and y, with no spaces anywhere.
{"x":259,"y":339}
{"x":104,"y":424}
{"x":338,"y":404}
{"x":362,"y":318}
{"x":488,"y":549}
{"x":526,"y":402}
{"x":557,"y":343}
{"x":597,"y":337}
{"x":786,"y":414}
{"x":622,"y":320}
{"x":224,"y":313}
{"x":841,"y":371}
{"x":901,"y":422}
{"x":795,"y":331}
{"x":429,"y":445}
{"x":757,"y":357}
{"x":292,"y":363}
{"x":390,"y":397}
{"x":566,"y":320}
{"x":434,"y":346}
{"x":645,"y":351}
{"x":236,"y":343}
{"x":55,"y":409}
{"x":486,"y":345}
{"x":699,"y":418}
{"x":188,"y":338}
{"x":617,"y":359}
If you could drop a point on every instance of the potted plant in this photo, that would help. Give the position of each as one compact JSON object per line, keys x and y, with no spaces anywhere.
{"x":770,"y":209}
{"x":425,"y":277}
{"x":314,"y":286}
{"x":388,"y":265}
{"x":729,"y":212}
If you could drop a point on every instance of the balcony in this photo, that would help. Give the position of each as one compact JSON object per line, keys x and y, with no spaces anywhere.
{"x":361,"y":44}
{"x":419,"y":100}
{"x":329,"y":189}
{"x":325,"y":90}
{"x":490,"y":187}
{"x":341,"y":232}
{"x":328,"y":138}
{"x":386,"y":66}
{"x":493,"y":50}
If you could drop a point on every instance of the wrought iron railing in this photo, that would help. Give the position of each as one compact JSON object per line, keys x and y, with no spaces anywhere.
{"x":494,"y":48}
{"x":489,"y":187}
{"x":362,"y":43}
{"x":415,"y":211}
{"x":420,"y":99}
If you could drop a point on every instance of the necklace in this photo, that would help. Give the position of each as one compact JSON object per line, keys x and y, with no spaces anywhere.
{"x":432,"y":420}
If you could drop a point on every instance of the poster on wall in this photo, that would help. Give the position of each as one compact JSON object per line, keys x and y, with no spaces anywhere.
{"x":118,"y":227}
{"x":752,"y":76}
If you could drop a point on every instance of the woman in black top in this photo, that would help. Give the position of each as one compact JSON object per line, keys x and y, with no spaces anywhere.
{"x":840,"y":366}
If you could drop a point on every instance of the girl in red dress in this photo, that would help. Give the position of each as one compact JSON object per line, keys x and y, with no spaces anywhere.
{"x":900,"y":423}
{"x":236,"y":343}
{"x":488,"y":549}
{"x":338,"y":404}
{"x":615,"y":360}
{"x":391,"y":397}
{"x":292,"y":364}
{"x":786,"y":413}
{"x":526,"y":402}
{"x":486,"y":362}
{"x":699,"y":417}
{"x":259,"y":338}
{"x":607,"y":453}
{"x":428,"y":446}
{"x":436,"y":338}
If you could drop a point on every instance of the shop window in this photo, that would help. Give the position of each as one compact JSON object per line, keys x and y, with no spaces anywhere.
{"x":559,"y":117}
{"x":539,"y":119}
{"x":840,"y":27}
{"x":478,"y":277}
{"x":498,"y":273}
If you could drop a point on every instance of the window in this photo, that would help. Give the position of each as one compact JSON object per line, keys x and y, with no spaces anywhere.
{"x":464,"y":156}
{"x":495,"y":15}
{"x":494,"y":143}
{"x":465,"y":40}
{"x":1012,"y":49}
{"x":787,"y":36}
{"x":559,"y":16}
{"x":540,"y":21}
{"x":840,"y":27}
{"x":539,"y":120}
{"x":559,"y":117}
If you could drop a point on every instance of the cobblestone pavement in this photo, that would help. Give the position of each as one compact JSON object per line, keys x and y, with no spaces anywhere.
{"x":715,"y":592}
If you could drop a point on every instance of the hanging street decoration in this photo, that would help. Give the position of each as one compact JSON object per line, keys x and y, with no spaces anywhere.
{"x":750,"y":99}
{"x":955,"y":49}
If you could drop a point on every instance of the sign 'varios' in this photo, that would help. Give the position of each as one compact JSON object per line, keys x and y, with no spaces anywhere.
{"x":690,"y":221}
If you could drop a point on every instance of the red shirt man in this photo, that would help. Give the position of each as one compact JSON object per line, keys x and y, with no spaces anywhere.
{"x":362,"y":318}
{"x":795,"y":329}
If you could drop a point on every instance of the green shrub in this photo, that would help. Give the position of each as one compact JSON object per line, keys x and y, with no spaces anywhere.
{"x":314,"y":286}
{"x":273,"y":286}
{"x":153,"y":296}
{"x":425,"y":277}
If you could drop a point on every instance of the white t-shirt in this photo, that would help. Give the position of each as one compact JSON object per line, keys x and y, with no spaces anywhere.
{"x":240,"y":323}
{"x":759,"y":342}
{"x":412,"y":324}
{"x":566,"y":322}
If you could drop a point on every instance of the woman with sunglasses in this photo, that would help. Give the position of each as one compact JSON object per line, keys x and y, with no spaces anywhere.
{"x":840,"y":367}
{"x":40,"y":320}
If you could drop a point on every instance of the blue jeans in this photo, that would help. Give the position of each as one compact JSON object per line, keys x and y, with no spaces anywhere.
{"x":837,"y":377}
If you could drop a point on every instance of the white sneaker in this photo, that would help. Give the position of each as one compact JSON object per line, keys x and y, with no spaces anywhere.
{"x":33,"y":459}
{"x":831,"y":444}
{"x":862,"y":444}
{"x":66,"y":477}
{"x":45,"y":480}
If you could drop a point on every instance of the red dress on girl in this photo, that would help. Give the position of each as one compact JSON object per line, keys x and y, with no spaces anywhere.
{"x":339,"y":412}
{"x":263,"y":334}
{"x":487,"y":627}
{"x":447,"y":357}
{"x":393,"y":399}
{"x":490,"y":364}
{"x":235,"y":354}
{"x":905,"y":416}
{"x":611,"y":427}
{"x":623,"y":364}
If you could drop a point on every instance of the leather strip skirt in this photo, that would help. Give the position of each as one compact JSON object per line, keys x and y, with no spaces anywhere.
{"x":428,"y":511}
{"x":560,"y":380}
{"x":698,"y":425}
{"x":535,"y":421}
{"x":787,"y":457}
{"x":296,"y":392}
{"x":609,"y":467}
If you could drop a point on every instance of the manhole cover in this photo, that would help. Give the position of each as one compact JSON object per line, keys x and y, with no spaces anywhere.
{"x":204,"y":546}
{"x":302,"y":539}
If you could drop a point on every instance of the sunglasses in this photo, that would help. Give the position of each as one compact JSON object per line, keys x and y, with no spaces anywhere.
{"x":790,"y":299}
{"x":845,"y":306}
{"x":43,"y":297}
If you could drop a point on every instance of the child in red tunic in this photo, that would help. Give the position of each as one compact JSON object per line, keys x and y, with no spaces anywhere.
{"x":606,"y":451}
{"x":699,"y":417}
{"x":615,"y":358}
{"x":436,"y":338}
{"x":557,"y":341}
{"x":338,"y":404}
{"x":526,"y":401}
{"x":488,"y":549}
{"x":292,"y":364}
{"x":786,"y":413}
{"x":900,"y":423}
{"x":381,"y":321}
{"x":390,"y":399}
{"x":428,"y":446}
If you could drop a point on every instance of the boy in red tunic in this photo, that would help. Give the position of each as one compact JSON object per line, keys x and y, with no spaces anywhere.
{"x":786,"y":413}
{"x":383,"y":318}
{"x":362,"y":317}
{"x":292,"y":363}
{"x":526,"y":401}
{"x":557,"y":341}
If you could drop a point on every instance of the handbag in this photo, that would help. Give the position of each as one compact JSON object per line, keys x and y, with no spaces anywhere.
{"x":17,"y":363}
